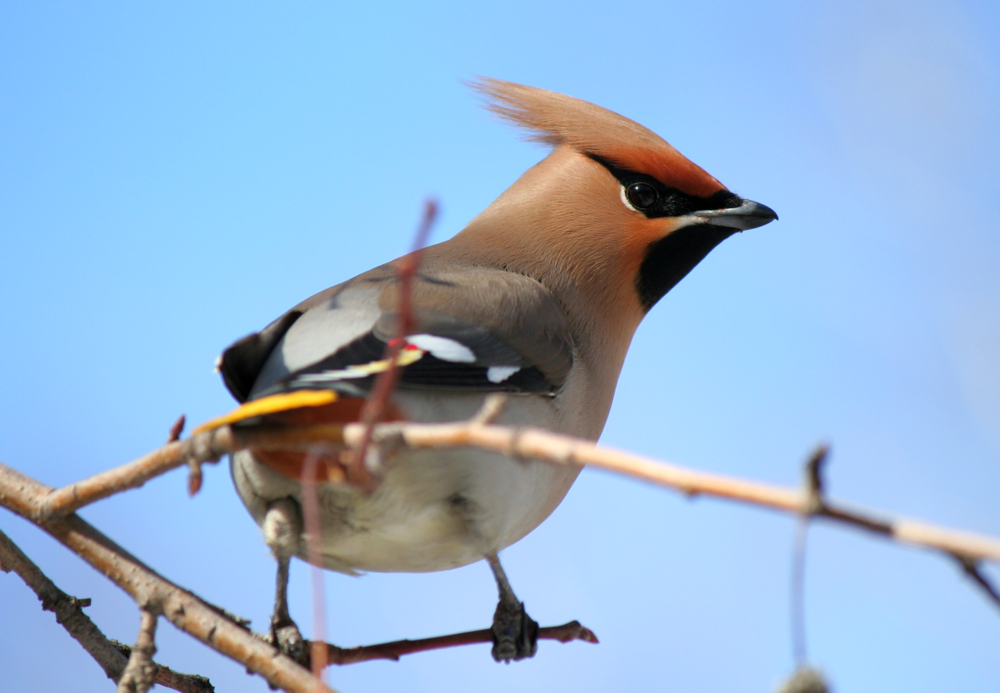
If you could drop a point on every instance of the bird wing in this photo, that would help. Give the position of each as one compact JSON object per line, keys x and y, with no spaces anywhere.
{"x":475,"y":329}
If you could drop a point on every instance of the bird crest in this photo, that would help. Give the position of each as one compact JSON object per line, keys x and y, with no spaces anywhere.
{"x":563,"y":121}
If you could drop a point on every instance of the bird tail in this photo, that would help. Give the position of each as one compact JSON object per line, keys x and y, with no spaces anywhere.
{"x":272,"y":404}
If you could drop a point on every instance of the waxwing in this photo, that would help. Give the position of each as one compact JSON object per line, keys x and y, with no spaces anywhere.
{"x":537,"y":297}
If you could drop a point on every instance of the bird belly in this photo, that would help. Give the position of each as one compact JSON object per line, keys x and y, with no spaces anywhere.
{"x":434,"y":509}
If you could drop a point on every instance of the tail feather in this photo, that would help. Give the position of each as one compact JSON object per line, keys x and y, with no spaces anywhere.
{"x":273,"y":404}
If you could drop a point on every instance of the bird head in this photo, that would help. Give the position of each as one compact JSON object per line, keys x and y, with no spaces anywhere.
{"x":614,"y":214}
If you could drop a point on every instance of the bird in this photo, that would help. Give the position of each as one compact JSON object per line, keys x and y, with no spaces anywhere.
{"x":538,"y":297}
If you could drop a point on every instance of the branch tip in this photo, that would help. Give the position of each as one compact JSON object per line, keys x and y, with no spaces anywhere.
{"x":195,"y":476}
{"x":971,"y":567}
{"x":493,"y":405}
{"x":814,"y":480}
{"x":176,"y":430}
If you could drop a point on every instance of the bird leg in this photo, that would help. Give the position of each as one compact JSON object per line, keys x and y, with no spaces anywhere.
{"x":515,"y":634}
{"x":282,"y":531}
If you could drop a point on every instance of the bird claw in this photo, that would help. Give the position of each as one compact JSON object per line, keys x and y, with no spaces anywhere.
{"x":285,"y":636}
{"x":515,"y":634}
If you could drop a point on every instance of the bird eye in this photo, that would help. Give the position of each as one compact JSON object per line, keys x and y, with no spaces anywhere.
{"x":641,"y":195}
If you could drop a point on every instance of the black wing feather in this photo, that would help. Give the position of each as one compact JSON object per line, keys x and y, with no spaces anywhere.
{"x":429,"y":372}
{"x":242,"y":362}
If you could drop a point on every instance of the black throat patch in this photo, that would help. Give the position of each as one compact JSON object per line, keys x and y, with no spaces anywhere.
{"x":669,"y":259}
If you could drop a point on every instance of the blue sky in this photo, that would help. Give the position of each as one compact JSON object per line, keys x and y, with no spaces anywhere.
{"x":174,"y":177}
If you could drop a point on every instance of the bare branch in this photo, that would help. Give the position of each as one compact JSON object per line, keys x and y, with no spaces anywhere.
{"x":47,"y":508}
{"x":492,"y":407}
{"x":815,"y":503}
{"x":378,"y":399}
{"x":971,"y":569}
{"x":814,"y":480}
{"x":26,"y":497}
{"x":177,"y":429}
{"x":566,"y":450}
{"x":71,"y":498}
{"x":111,"y":655}
{"x":394,"y":650}
{"x":560,"y":449}
{"x":534,"y":443}
{"x":314,"y":532}
{"x":68,"y":610}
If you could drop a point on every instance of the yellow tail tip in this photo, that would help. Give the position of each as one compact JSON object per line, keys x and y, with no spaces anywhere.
{"x":273,"y":404}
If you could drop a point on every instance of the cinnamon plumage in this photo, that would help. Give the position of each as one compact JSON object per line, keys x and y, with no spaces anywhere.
{"x":539,"y":297}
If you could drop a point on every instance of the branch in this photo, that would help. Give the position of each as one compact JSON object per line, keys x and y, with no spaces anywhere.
{"x":394,"y":650}
{"x":155,"y":594}
{"x":378,"y":399}
{"x":26,"y":497}
{"x":71,"y":498}
{"x":538,"y":444}
{"x":109,"y":654}
{"x":50,"y":509}
{"x":972,"y":571}
{"x":566,"y":450}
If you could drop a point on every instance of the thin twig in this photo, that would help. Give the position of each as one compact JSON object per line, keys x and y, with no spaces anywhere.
{"x":36,"y":502}
{"x":530,"y":443}
{"x":177,"y":429}
{"x":314,"y":542}
{"x":493,"y":405}
{"x":69,"y":499}
{"x":378,"y":399}
{"x":971,"y":569}
{"x":107,"y":652}
{"x":68,"y":610}
{"x":798,"y":591}
{"x":26,"y":497}
{"x":566,"y":450}
{"x":394,"y":650}
{"x":559,"y":449}
{"x":815,"y":503}
{"x":815,"y":485}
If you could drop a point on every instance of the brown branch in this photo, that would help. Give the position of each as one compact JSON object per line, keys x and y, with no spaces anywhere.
{"x":394,"y":650}
{"x":972,"y":571}
{"x":314,"y":531}
{"x":534,"y":443}
{"x":378,"y":399}
{"x":357,"y":469}
{"x":177,"y":429}
{"x":26,"y":497}
{"x":44,"y":506}
{"x":814,"y":488}
{"x":68,"y":610}
{"x":109,"y":654}
{"x":560,"y":449}
{"x":566,"y":450}
{"x":69,"y":499}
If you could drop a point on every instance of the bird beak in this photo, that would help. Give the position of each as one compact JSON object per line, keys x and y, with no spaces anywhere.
{"x":748,"y":215}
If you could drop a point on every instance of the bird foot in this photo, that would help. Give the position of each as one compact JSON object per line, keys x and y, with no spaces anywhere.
{"x":286,"y":637}
{"x":515,"y":634}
